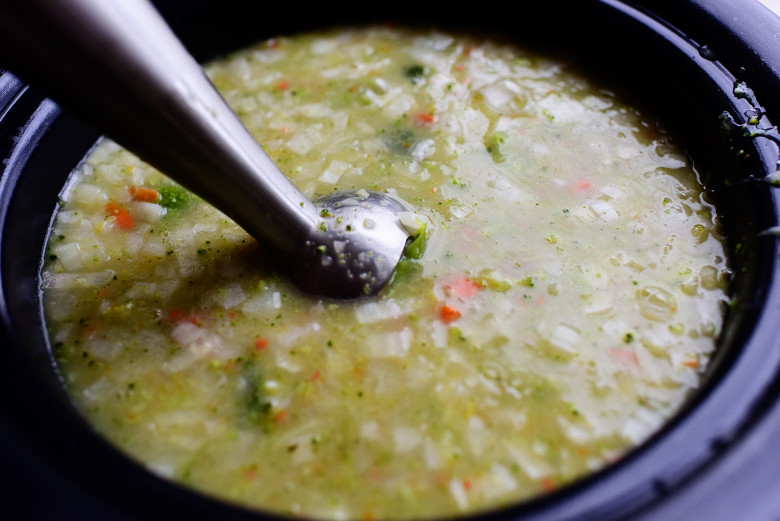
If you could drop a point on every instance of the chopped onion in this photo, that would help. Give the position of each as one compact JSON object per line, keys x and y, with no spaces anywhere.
{"x":187,"y":333}
{"x":231,"y":295}
{"x":375,"y":311}
{"x":102,"y":349}
{"x":69,"y":255}
{"x":88,"y":194}
{"x":458,"y":492}
{"x":149,"y":212}
{"x":406,"y":438}
{"x":335,"y":170}
{"x":604,"y":210}
{"x":505,"y":97}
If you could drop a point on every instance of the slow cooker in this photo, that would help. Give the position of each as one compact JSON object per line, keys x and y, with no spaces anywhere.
{"x":709,"y":68}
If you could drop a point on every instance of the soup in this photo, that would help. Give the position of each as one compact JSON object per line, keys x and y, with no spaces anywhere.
{"x":558,"y":304}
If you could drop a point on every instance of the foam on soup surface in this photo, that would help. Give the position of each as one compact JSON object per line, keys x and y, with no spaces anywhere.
{"x":566,"y":302}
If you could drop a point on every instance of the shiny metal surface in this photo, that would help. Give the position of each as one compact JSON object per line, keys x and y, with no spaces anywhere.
{"x":120,"y":66}
{"x":356,"y":247}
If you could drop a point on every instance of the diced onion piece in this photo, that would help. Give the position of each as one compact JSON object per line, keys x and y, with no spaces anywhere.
{"x":458,"y":492}
{"x":499,"y":481}
{"x":565,"y":337}
{"x":186,"y":333}
{"x":430,"y":454}
{"x":88,"y":194}
{"x":69,"y":255}
{"x":410,"y":221}
{"x":377,"y":311}
{"x":302,"y":142}
{"x":102,"y":349}
{"x":604,"y":210}
{"x":423,"y":149}
{"x":335,"y":170}
{"x":533,"y":466}
{"x":406,"y":439}
{"x":98,"y":391}
{"x":232,"y":295}
{"x":505,"y":97}
{"x":149,"y":212}
{"x":370,"y":430}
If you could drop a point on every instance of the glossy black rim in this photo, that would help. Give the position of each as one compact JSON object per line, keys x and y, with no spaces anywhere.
{"x":696,"y":77}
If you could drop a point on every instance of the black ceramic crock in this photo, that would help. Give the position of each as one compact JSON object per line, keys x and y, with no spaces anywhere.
{"x":708,"y":68}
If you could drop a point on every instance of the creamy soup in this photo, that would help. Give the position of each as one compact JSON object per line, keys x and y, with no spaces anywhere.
{"x":559,"y":303}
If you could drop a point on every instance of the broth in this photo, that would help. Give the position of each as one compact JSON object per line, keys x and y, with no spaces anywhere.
{"x":559,"y":305}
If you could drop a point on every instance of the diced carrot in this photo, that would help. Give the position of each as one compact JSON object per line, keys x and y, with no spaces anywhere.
{"x":315,"y":376}
{"x":467,"y":484}
{"x":424,"y":119}
{"x":261,"y":343}
{"x":283,"y":85}
{"x":583,"y":186}
{"x":691,"y":363}
{"x":147,"y":195}
{"x":448,"y":314}
{"x":121,"y":216}
{"x":548,"y":484}
{"x":625,"y":356}
{"x":462,"y":286}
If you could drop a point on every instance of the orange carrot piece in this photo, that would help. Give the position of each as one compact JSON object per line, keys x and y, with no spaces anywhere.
{"x":463,"y":287}
{"x":583,"y":186}
{"x":121,"y":216}
{"x":147,"y":195}
{"x":424,"y":119}
{"x":548,"y":484}
{"x":261,"y":343}
{"x":448,"y":314}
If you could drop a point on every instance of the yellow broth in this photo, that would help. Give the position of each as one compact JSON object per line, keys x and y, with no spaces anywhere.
{"x":566,"y":302}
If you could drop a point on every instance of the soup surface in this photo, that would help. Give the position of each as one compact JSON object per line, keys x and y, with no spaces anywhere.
{"x":559,"y":303}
